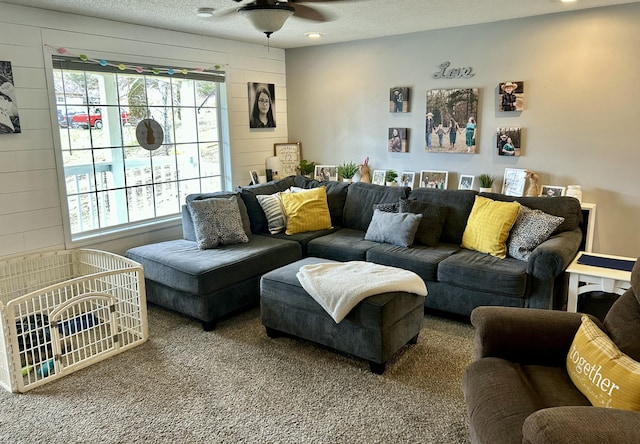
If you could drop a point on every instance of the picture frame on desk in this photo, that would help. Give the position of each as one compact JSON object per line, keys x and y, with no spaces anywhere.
{"x":290,"y":155}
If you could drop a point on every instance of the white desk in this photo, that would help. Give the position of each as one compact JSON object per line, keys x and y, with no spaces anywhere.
{"x":595,"y":279}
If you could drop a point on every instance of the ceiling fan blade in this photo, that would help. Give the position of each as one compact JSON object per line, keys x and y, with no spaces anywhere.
{"x":309,"y":13}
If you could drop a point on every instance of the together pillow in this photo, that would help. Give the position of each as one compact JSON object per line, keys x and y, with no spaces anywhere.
{"x":488,"y":226}
{"x":393,"y":228}
{"x":217,"y":222}
{"x":532,"y":227}
{"x":605,"y":375}
{"x":306,"y":210}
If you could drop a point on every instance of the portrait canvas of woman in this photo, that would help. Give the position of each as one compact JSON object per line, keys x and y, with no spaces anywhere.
{"x":397,"y":140}
{"x":262,"y":105}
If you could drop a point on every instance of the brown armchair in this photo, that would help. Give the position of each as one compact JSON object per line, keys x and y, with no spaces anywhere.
{"x":518,"y":389}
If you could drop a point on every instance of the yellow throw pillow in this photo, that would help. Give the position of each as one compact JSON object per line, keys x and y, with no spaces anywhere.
{"x":306,"y":210}
{"x":605,"y":375}
{"x":488,"y":226}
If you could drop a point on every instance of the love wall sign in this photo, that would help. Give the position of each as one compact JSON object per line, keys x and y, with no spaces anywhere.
{"x":453,"y":73}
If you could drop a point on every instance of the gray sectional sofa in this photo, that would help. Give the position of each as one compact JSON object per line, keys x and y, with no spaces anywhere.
{"x":211,"y":284}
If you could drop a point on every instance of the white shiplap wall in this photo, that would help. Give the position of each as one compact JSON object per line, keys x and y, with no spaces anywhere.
{"x":31,"y":212}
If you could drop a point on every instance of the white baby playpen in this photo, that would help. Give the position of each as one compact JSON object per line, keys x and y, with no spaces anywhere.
{"x":64,"y":310}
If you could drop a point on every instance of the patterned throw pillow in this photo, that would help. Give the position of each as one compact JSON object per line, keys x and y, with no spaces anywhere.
{"x":433,"y":218}
{"x":306,"y":210}
{"x":393,"y":228}
{"x":272,"y":206}
{"x":217,"y":222}
{"x":488,"y":226}
{"x":605,"y":375}
{"x":387,"y":207}
{"x":532,"y":227}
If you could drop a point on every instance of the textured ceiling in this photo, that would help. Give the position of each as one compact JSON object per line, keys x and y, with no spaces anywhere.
{"x":351,"y":19}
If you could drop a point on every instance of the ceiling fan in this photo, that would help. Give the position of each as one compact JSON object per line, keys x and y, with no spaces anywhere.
{"x":268,"y":16}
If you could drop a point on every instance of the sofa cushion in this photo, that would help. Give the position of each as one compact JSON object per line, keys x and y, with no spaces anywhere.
{"x":272,"y":206}
{"x":358,"y":207}
{"x":485,"y":273}
{"x":458,"y":203}
{"x":179,"y":264}
{"x":217,"y":222}
{"x":420,"y":259}
{"x":257,"y":218}
{"x":532,"y":227}
{"x":489,"y":225}
{"x":187,"y":223}
{"x":393,"y":228}
{"x":605,"y":375}
{"x":343,"y":245}
{"x":336,"y":195}
{"x":306,"y":210}
{"x":433,"y":218}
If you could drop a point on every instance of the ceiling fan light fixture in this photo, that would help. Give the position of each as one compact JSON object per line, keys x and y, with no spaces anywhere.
{"x":267,"y":18}
{"x":314,"y":35}
{"x":204,"y":12}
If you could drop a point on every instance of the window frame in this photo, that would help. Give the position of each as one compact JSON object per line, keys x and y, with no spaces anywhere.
{"x":166,"y":222}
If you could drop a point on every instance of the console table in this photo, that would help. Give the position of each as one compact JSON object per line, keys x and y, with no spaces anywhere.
{"x":584,"y":278}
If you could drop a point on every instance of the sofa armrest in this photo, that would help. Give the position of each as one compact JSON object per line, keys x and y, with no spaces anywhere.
{"x":554,"y":255}
{"x":584,"y":425}
{"x":524,"y":335}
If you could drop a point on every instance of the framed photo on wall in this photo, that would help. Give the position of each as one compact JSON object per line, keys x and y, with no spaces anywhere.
{"x":9,"y":119}
{"x":434,"y":179}
{"x":508,"y":141}
{"x":514,"y":182}
{"x":511,"y":96}
{"x":397,"y":140}
{"x":378,"y":177}
{"x":325,"y":173}
{"x":262,"y":105}
{"x":407,"y":179}
{"x":290,"y":155}
{"x":552,"y":191}
{"x":466,"y":182}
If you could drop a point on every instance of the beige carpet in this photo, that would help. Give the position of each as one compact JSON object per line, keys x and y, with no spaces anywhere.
{"x":235,"y":385}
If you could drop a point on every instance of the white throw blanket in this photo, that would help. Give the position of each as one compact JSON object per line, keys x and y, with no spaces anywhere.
{"x":338,"y":287}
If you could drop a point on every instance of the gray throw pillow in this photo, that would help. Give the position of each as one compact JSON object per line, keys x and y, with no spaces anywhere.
{"x":531,"y":228}
{"x":217,"y":222}
{"x":393,"y":228}
{"x":433,"y":218}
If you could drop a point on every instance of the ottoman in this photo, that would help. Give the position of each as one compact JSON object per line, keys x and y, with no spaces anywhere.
{"x":374,"y":330}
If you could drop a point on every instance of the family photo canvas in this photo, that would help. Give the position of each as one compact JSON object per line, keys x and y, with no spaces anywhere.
{"x":451,"y":121}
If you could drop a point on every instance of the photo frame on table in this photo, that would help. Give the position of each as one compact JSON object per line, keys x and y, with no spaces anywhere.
{"x":378,"y":177}
{"x":290,"y":155}
{"x":434,"y":179}
{"x":325,"y":173}
{"x":407,"y":179}
{"x":514,"y":182}
{"x":253,"y":174}
{"x":552,"y":191}
{"x":466,"y":182}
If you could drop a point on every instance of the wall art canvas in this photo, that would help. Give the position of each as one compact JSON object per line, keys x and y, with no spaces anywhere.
{"x":511,"y":96}
{"x":262,"y":105}
{"x":407,"y":179}
{"x":397,"y":140}
{"x":9,"y":119}
{"x":451,"y":121}
{"x":434,"y":179}
{"x":508,"y":141}
{"x":514,"y":182}
{"x":399,"y":99}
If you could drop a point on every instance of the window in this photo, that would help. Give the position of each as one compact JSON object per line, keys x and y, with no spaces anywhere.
{"x":111,"y":181}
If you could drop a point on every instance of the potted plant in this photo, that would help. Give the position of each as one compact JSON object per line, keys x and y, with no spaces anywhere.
{"x":486,"y":182}
{"x":306,"y":168}
{"x":390,"y":178}
{"x":347,"y":170}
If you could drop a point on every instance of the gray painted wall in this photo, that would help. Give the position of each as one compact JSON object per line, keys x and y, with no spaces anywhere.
{"x":579,"y":122}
